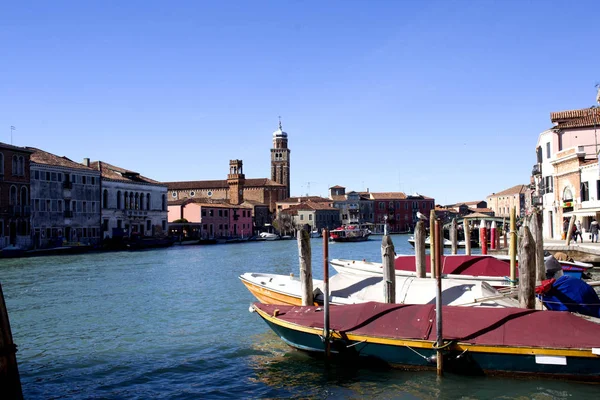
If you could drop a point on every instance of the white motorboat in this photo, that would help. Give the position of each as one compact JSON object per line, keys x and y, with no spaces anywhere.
{"x":268,"y":236}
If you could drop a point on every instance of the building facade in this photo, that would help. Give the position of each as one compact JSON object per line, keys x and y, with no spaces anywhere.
{"x":15,"y":211}
{"x":131,"y":203}
{"x":502,"y":202}
{"x":280,"y":160}
{"x":65,"y":201}
{"x":314,"y":215}
{"x":399,"y":210}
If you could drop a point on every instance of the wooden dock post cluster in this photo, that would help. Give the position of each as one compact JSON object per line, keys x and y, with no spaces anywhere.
{"x":10,"y":383}
{"x":306,"y":281}
{"x":389,"y":271}
{"x":467,"y":230}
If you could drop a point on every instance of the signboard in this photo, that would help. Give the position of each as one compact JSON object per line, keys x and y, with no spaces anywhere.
{"x":567,"y":204}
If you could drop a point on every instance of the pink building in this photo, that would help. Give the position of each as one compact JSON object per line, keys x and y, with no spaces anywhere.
{"x":214,"y":219}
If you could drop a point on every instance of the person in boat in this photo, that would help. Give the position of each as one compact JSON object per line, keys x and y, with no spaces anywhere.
{"x":594,"y":231}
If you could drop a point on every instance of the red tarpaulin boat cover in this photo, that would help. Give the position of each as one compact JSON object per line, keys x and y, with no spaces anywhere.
{"x":460,"y":265}
{"x":484,"y":326}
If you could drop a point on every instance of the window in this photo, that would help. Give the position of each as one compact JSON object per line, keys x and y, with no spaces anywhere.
{"x":148,"y":225}
{"x":119,"y":224}
{"x":118,"y":200}
{"x":204,"y":213}
{"x":105,"y":225}
{"x":93,"y":180}
{"x":105,"y":199}
{"x":381,"y":205}
{"x":301,"y":217}
{"x":83,"y":179}
{"x":548,"y":150}
{"x":37,"y":175}
{"x":84,"y":207}
{"x":60,"y":206}
{"x":220,"y":213}
{"x":310,"y":217}
{"x":174,"y":195}
{"x":225,"y":213}
{"x":15,"y":165}
{"x":192,"y":193}
{"x":585,"y":192}
{"x":164,"y":225}
{"x":1,"y":166}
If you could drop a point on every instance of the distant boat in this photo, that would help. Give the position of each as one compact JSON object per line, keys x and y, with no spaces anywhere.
{"x":268,"y":236}
{"x":315,"y":233}
{"x":349,"y":233}
{"x":447,"y":243}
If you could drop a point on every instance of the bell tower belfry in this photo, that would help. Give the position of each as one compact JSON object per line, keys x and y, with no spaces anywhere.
{"x":236,"y":180}
{"x":280,"y":159}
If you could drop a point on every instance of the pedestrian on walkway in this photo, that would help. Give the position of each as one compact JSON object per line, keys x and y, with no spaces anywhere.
{"x":574,"y":233}
{"x":579,"y":232}
{"x":594,"y":230}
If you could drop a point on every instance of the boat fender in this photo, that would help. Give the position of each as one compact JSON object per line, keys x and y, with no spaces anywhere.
{"x":251,"y":309}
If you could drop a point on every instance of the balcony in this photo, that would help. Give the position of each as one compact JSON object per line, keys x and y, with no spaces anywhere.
{"x":537,"y":201}
{"x":68,"y":214}
{"x":537,"y":169}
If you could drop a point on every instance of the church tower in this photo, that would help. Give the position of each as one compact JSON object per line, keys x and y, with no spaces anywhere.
{"x":236,"y":180}
{"x":280,"y":159}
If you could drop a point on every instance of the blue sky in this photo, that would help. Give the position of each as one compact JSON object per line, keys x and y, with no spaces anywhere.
{"x":445,"y":98}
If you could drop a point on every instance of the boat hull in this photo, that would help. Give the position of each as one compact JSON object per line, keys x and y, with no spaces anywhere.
{"x":461,"y":358}
{"x":350,"y":239}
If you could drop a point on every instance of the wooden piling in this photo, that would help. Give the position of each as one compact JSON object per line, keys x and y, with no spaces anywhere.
{"x":570,"y":230}
{"x":305,"y":254}
{"x":420,"y":261}
{"x":432,"y":253}
{"x":454,"y":236}
{"x":505,"y":233}
{"x":389,"y":271}
{"x":326,"y":292}
{"x":512,"y":250}
{"x":538,"y":237}
{"x":467,"y":230}
{"x":438,"y":297}
{"x":527,"y":269}
{"x":10,"y":383}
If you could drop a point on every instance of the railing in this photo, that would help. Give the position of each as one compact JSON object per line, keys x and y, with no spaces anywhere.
{"x":537,"y":200}
{"x":537,"y":169}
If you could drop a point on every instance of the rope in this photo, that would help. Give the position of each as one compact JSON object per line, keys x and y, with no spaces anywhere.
{"x":417,"y":353}
{"x":446,"y":345}
{"x":355,"y":344}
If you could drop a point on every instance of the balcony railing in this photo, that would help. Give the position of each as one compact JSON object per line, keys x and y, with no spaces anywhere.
{"x":537,"y":201}
{"x":537,"y":169}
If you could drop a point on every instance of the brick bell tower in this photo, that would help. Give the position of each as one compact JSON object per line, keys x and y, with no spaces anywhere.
{"x":280,"y":159}
{"x":236,"y":180}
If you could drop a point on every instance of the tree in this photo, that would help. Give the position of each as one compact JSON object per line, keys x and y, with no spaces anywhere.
{"x":284,"y":223}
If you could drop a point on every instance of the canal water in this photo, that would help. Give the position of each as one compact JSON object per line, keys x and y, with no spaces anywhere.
{"x":174,"y":324}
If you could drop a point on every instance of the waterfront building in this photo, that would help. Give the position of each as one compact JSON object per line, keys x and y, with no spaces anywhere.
{"x":348,"y":205}
{"x":469,"y":207}
{"x":130,"y":203}
{"x":15,"y":212}
{"x":400,"y":210}
{"x":517,"y":196}
{"x":213,"y":218}
{"x":563,"y":152}
{"x":258,"y":190}
{"x":292,"y":201}
{"x":314,"y":215}
{"x":65,"y":200}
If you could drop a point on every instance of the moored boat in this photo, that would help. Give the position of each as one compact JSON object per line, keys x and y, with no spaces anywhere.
{"x":476,"y":341}
{"x":349,"y":233}
{"x":447,"y":243}
{"x":351,"y":289}
{"x":268,"y":236}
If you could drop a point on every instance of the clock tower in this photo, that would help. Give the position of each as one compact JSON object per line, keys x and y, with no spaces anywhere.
{"x":236,"y":180}
{"x":280,"y":159}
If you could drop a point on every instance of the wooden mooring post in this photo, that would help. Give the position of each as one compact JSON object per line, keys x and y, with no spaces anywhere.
{"x":512,"y":250}
{"x":538,"y":236}
{"x":467,"y":230}
{"x":438,"y":296}
{"x":527,"y":269}
{"x":389,"y":271}
{"x":420,"y":261}
{"x":570,"y":230}
{"x":454,"y":236}
{"x":432,"y":253}
{"x":10,"y":383}
{"x":306,"y":281}
{"x":326,"y":292}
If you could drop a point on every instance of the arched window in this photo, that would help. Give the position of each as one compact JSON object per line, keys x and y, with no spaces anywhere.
{"x":105,"y":199}
{"x":567,"y":194}
{"x":126,"y":201}
{"x":12,"y":200}
{"x":15,"y":165}
{"x":21,"y":165}
{"x":142,"y":201}
{"x":118,"y":200}
{"x":148,"y":202}
{"x":24,"y":196}
{"x":131,"y":205}
{"x":137,"y":201}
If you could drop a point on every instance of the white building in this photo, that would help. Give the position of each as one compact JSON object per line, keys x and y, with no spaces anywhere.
{"x":131,"y":203}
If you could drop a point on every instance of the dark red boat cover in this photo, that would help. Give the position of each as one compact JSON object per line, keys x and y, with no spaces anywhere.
{"x":477,"y":325}
{"x":460,"y":265}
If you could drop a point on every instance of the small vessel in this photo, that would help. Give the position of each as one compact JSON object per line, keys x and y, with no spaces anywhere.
{"x":315,"y":233}
{"x":349,"y":233}
{"x":476,"y":341}
{"x":447,"y":243}
{"x":351,"y":289}
{"x":268,"y":236}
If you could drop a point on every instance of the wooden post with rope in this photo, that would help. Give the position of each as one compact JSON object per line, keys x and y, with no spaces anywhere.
{"x":512,"y":250}
{"x":10,"y":383}
{"x":454,"y":236}
{"x":527,"y":269}
{"x":467,"y":230}
{"x":389,"y":271}
{"x":432,"y":253}
{"x":420,"y":261}
{"x":438,"y":297}
{"x":538,"y":237}
{"x":305,"y":254}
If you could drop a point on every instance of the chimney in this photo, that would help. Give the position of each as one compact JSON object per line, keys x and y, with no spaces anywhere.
{"x":86,"y":162}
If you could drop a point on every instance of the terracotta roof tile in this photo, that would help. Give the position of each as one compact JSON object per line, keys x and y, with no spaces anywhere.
{"x":585,"y":117}
{"x":338,"y":197}
{"x":337,"y":187}
{"x":43,"y":157}
{"x":389,"y":196}
{"x":309,"y":205}
{"x":219,"y":184}
{"x":513,"y":190}
{"x":16,"y":148}
{"x":300,"y":199}
{"x":113,"y":173}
